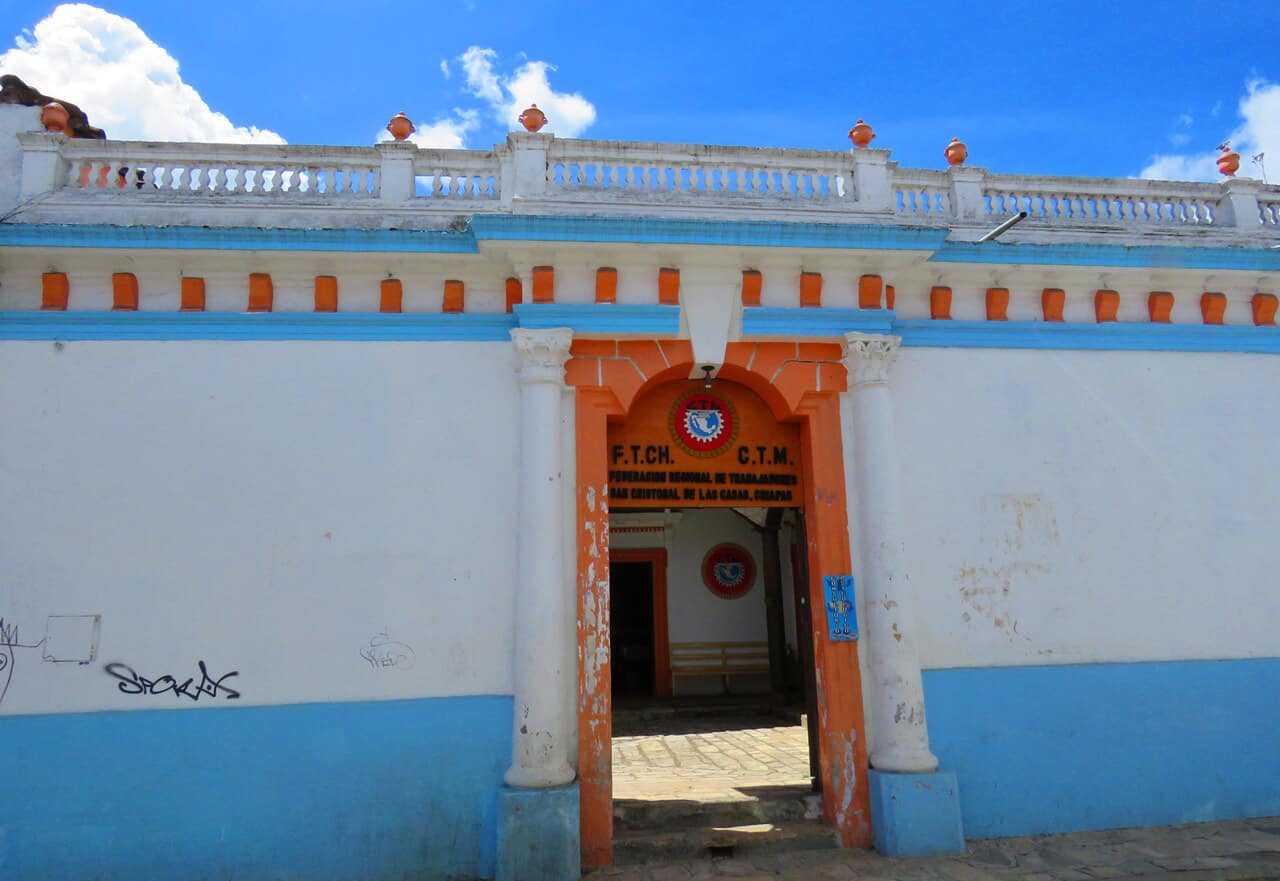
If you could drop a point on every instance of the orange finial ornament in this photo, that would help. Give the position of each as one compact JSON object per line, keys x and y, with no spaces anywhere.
{"x":956,"y":152}
{"x":54,"y":117}
{"x":400,"y":126}
{"x":1229,"y":161}
{"x":533,"y":119}
{"x":861,"y":134}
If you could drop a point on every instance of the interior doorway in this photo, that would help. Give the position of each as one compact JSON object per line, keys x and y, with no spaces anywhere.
{"x":638,"y":623}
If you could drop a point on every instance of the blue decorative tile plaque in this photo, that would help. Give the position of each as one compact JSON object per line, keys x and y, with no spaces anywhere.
{"x":842,"y":616}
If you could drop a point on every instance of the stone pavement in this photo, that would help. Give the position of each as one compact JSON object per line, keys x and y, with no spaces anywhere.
{"x":1241,"y":850}
{"x":708,"y":758}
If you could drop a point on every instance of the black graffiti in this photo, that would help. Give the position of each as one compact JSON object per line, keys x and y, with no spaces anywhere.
{"x":9,"y":642}
{"x":132,"y":683}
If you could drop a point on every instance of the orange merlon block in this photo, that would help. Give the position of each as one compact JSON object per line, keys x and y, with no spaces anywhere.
{"x":260,"y":292}
{"x":870,"y":289}
{"x":669,"y":287}
{"x":55,"y":290}
{"x":890,"y":296}
{"x":1160,"y":306}
{"x":1264,"y":309}
{"x":810,"y":289}
{"x":192,"y":295}
{"x":326,"y":293}
{"x":1052,"y":302}
{"x":544,"y":284}
{"x":1105,"y":305}
{"x":997,"y":304}
{"x":453,"y":296}
{"x":124,"y":292}
{"x":940,"y":303}
{"x":752,"y":283}
{"x":606,"y":285}
{"x":515,"y":293}
{"x":1213,"y":307}
{"x":392,"y":296}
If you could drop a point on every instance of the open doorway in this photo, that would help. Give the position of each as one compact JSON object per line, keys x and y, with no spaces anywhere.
{"x":711,"y":735}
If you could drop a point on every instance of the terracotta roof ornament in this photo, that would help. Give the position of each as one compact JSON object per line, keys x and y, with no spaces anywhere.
{"x":533,"y":119}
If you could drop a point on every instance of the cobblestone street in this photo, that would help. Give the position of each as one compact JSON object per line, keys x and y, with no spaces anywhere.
{"x":707,"y":758}
{"x":1242,"y":850}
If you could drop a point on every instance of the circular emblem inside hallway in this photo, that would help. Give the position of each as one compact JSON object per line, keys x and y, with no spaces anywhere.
{"x":703,"y":424}
{"x":728,"y":570}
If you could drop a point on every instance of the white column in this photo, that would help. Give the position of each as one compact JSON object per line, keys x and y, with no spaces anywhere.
{"x":541,"y":726}
{"x":900,"y":738}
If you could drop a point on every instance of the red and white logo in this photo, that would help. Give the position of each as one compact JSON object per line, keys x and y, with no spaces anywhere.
{"x":728,"y":571}
{"x":703,"y":424}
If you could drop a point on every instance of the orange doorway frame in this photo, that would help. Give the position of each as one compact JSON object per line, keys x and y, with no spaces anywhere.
{"x":800,"y":382}
{"x":657,"y":559}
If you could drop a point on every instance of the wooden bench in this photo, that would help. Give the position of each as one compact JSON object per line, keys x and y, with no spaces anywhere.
{"x":723,"y":659}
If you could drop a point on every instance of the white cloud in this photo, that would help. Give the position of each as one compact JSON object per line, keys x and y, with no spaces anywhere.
{"x":1257,"y":132}
{"x":121,"y":78}
{"x":568,"y":113}
{"x":444,"y":68}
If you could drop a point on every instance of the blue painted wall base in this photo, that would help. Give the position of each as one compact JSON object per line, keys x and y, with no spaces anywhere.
{"x":915,"y":815}
{"x":538,"y":836}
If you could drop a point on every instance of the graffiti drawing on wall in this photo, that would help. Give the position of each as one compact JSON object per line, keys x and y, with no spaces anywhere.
{"x":8,"y":642}
{"x":382,"y":652}
{"x":130,"y":682}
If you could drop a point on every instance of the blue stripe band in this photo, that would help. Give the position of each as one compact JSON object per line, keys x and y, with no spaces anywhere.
{"x":612,"y":319}
{"x":1145,"y":257}
{"x":476,"y":327}
{"x":924,"y":332}
{"x":200,"y":238}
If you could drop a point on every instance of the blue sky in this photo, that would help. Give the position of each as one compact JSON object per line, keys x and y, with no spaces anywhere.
{"x":1109,"y":89}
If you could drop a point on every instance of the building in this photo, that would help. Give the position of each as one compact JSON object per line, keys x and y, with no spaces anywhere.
{"x":314,"y":460}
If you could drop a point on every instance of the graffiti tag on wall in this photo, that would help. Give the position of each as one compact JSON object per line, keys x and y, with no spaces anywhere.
{"x":8,"y":642}
{"x":382,"y":652}
{"x":130,"y":682}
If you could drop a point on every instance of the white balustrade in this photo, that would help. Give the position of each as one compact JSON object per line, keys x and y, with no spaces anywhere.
{"x":639,"y":170}
{"x":540,"y":168}
{"x":457,"y":174}
{"x":922,"y":193}
{"x":138,"y":169}
{"x":1127,"y":202}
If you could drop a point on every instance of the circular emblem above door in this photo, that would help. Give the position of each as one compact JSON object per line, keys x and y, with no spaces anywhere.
{"x":703,"y":424}
{"x":728,"y":571}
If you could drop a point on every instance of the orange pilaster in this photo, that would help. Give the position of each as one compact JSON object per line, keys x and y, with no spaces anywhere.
{"x":1213,"y":307}
{"x":846,"y":804}
{"x":1160,"y":306}
{"x":810,"y":290}
{"x":1264,"y":309}
{"x":124,"y":292}
{"x":1106,"y":304}
{"x":326,"y":293}
{"x":1053,"y":301}
{"x":870,"y":289}
{"x":192,"y":294}
{"x":890,"y":297}
{"x":453,"y":296}
{"x":669,"y":287}
{"x":391,"y":295}
{"x":940,"y":303}
{"x":606,"y":285}
{"x":997,"y":304}
{"x":752,"y":283}
{"x":261,"y":292}
{"x":515,"y":294}
{"x":544,"y":284}
{"x":55,"y":291}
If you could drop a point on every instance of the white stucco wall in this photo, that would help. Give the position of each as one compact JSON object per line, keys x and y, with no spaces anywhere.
{"x":267,"y":507}
{"x":1068,"y":507}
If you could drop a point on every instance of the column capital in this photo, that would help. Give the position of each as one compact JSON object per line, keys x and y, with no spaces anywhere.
{"x":868,"y":356}
{"x":542,"y":353}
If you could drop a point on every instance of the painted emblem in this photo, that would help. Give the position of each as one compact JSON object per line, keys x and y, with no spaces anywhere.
{"x":703,"y":424}
{"x":728,"y":571}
